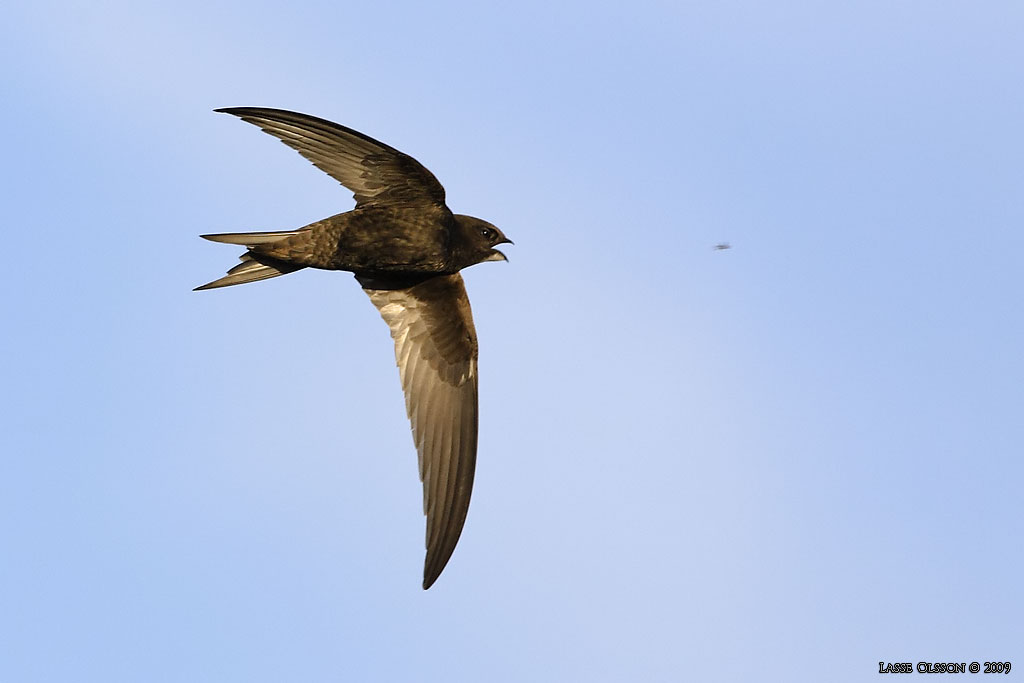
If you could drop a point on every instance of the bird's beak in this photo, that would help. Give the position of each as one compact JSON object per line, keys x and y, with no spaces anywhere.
{"x":496,"y":255}
{"x":507,"y":241}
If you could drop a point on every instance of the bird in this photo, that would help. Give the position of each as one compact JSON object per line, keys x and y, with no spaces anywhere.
{"x":405,"y":248}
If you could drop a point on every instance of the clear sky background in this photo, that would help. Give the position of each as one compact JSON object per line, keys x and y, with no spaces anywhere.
{"x":788,"y":460}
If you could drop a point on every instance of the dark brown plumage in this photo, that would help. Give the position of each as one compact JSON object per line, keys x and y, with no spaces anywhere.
{"x":406,"y":249}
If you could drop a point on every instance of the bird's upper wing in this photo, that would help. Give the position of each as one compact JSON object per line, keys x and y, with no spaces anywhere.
{"x":375,"y":172}
{"x":436,"y":350}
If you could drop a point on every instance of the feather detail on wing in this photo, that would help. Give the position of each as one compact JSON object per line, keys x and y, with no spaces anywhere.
{"x":436,"y":351}
{"x":375,"y":172}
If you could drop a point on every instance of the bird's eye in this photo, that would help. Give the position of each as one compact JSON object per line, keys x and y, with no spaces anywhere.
{"x":487,"y":233}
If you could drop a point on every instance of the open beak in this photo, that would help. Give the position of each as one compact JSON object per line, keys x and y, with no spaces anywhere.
{"x":496,"y":255}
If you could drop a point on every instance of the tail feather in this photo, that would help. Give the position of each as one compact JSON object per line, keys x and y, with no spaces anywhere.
{"x":254,"y":266}
{"x":250,"y":239}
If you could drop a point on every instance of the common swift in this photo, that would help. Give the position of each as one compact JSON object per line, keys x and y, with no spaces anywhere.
{"x":406,"y":249}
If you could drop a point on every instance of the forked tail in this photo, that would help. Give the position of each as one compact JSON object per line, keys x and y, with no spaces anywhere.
{"x":254,"y":266}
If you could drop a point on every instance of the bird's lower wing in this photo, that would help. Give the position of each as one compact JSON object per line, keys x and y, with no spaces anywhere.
{"x":436,"y":351}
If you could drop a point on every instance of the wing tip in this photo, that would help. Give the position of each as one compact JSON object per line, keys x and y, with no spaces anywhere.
{"x":436,"y":561}
{"x":431,"y":574}
{"x":242,"y":112}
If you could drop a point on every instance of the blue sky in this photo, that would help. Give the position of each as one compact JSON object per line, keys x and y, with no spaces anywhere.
{"x":787,"y":460}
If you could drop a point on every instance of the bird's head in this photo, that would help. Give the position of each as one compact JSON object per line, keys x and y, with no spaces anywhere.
{"x":476,"y":241}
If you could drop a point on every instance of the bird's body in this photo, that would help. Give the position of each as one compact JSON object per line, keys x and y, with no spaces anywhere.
{"x":406,"y":249}
{"x":373,"y":239}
